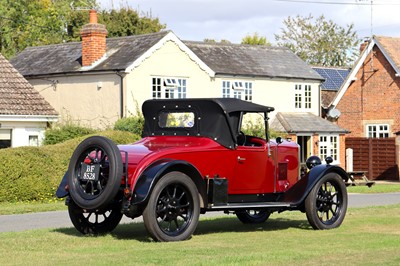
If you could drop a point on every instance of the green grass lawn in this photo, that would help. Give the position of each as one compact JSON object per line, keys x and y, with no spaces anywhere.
{"x":379,"y":187}
{"x":368,"y":236}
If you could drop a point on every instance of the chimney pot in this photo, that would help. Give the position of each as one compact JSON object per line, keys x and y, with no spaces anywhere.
{"x":92,"y":16}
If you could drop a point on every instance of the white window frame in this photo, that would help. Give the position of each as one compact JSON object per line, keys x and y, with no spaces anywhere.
{"x":302,"y":96}
{"x":238,"y":89}
{"x":329,"y":145}
{"x":168,"y":88}
{"x":377,"y":131}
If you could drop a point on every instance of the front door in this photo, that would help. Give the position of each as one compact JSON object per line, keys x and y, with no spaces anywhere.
{"x":305,"y":147}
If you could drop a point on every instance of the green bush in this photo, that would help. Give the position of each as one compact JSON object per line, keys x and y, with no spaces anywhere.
{"x":132,"y":124}
{"x":257,"y":129}
{"x":34,"y":173}
{"x":65,"y":132}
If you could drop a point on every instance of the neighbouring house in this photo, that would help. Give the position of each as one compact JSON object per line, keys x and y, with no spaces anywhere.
{"x":334,"y":78}
{"x":369,"y":106}
{"x":100,"y":80}
{"x":24,"y":113}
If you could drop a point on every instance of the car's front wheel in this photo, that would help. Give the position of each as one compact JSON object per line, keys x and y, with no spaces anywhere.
{"x":172,"y":212}
{"x":326,"y":205}
{"x":253,"y":216}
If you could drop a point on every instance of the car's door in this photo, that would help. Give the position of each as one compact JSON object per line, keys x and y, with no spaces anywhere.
{"x":254,"y":170}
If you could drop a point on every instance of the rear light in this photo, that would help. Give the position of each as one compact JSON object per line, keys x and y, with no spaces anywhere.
{"x":66,"y":188}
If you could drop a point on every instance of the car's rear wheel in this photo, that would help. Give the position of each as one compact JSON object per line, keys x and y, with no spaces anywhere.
{"x":172,"y":212}
{"x":95,"y":222}
{"x":253,"y":216}
{"x":326,"y":205}
{"x":94,"y":173}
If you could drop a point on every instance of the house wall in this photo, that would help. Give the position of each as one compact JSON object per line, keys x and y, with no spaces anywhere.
{"x":168,"y":61}
{"x":374,"y":98}
{"x":171,"y":61}
{"x":88,"y":99}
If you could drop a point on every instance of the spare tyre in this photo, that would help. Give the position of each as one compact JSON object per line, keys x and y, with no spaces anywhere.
{"x":95,"y":172}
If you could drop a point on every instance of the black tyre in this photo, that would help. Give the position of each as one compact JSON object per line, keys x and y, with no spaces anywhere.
{"x":95,"y":172}
{"x":326,"y":205}
{"x":253,"y":216}
{"x":95,"y":222}
{"x":173,"y":210}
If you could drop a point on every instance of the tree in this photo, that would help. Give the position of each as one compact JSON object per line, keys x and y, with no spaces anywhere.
{"x":25,"y":23}
{"x":319,"y":42}
{"x":255,"y":40}
{"x":126,"y":22}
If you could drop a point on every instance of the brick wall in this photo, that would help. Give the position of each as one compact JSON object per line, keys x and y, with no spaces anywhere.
{"x":373,"y":98}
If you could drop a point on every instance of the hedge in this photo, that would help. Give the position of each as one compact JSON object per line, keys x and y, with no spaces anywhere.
{"x":33,"y":173}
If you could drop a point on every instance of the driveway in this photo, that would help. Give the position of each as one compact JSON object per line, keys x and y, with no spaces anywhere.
{"x":60,"y":219}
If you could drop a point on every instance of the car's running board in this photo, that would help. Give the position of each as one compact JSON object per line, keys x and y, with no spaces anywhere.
{"x":251,"y":205}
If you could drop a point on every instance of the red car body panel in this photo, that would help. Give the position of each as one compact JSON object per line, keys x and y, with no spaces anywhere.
{"x":248,"y":169}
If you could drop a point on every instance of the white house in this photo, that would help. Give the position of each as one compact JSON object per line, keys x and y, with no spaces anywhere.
{"x":24,"y":113}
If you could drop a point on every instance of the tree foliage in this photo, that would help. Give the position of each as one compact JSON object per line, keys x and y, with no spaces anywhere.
{"x":319,"y":42}
{"x":255,"y":39}
{"x":25,"y":23}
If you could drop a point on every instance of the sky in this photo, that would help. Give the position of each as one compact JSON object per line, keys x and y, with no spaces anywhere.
{"x":231,"y":20}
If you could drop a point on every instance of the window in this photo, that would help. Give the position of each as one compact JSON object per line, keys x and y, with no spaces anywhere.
{"x":329,"y":146}
{"x":34,"y":141}
{"x":176,"y":120}
{"x":307,"y":96}
{"x":378,"y":131}
{"x":226,"y":89}
{"x":168,"y":88}
{"x":302,"y":96}
{"x":237,"y":89}
{"x":297,"y":96}
{"x":5,"y":138}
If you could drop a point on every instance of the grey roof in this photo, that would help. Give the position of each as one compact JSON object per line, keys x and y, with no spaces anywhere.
{"x":121,"y":52}
{"x":17,"y":95}
{"x":304,"y":123}
{"x":252,"y":60}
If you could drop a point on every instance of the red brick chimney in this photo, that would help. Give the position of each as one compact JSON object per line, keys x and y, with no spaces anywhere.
{"x":93,"y":40}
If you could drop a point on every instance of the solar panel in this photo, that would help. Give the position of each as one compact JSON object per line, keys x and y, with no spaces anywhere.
{"x":334,"y":78}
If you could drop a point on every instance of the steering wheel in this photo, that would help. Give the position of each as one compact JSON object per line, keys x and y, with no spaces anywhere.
{"x":241,"y":138}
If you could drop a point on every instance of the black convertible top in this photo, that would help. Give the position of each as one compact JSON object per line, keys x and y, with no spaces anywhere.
{"x":216,"y":118}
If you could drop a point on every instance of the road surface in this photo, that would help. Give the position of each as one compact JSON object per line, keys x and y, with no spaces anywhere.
{"x":60,"y":219}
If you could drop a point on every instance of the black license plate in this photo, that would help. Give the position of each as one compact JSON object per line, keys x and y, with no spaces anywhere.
{"x":90,"y":172}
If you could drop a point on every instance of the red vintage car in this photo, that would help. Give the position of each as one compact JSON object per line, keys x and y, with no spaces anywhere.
{"x":194,"y":158}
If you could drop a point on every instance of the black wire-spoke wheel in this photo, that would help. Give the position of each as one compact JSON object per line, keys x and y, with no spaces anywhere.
{"x":253,"y":216}
{"x":172,"y":212}
{"x":326,"y":205}
{"x":95,"y":222}
{"x":95,"y":172}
